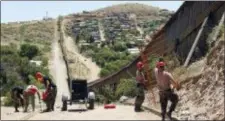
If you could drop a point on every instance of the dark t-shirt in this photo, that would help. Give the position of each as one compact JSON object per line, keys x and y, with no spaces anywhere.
{"x":18,"y":90}
{"x":51,"y":84}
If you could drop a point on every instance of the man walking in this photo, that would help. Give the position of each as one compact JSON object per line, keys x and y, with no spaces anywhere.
{"x":140,"y":79}
{"x":164,"y":80}
{"x":29,"y":95}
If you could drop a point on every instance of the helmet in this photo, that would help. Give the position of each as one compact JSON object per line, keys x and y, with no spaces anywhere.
{"x":38,"y":75}
{"x":140,"y":65}
{"x":160,"y":64}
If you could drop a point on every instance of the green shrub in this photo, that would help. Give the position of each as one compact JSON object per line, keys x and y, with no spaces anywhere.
{"x":7,"y":101}
{"x":105,"y":93}
{"x":126,"y":87}
{"x":27,"y":50}
{"x":104,"y":72}
{"x":16,"y":70}
{"x":119,"y":46}
{"x":44,"y":61}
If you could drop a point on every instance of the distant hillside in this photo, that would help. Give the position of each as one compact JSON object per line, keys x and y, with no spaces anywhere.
{"x":136,"y":8}
{"x":40,"y":32}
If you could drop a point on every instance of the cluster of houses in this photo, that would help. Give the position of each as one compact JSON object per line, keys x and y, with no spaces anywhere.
{"x":115,"y":23}
{"x":86,"y":27}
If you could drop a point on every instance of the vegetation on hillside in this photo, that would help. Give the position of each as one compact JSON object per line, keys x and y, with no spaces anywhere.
{"x":16,"y":68}
{"x":136,"y":8}
{"x":40,"y":32}
{"x":112,"y":54}
{"x":23,"y":42}
{"x":110,"y":59}
{"x":126,"y":87}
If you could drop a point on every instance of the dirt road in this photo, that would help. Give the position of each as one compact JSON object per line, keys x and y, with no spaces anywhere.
{"x":58,"y":69}
{"x":101,"y":31}
{"x":93,"y":69}
{"x":121,"y":112}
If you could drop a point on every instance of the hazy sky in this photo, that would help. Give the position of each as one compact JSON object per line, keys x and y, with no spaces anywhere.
{"x":34,"y":10}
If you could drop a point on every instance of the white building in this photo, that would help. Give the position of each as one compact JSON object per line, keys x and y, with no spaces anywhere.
{"x":133,"y":50}
{"x":38,"y":63}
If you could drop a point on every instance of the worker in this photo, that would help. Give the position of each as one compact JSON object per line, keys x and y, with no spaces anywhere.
{"x":29,"y":94}
{"x":51,"y":91}
{"x":17,"y":97}
{"x":140,"y":79}
{"x":164,"y":80}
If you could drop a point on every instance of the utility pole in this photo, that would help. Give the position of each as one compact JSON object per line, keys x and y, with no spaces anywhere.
{"x":46,"y":14}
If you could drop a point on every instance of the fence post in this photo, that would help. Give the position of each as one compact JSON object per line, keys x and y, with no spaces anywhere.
{"x":195,"y":42}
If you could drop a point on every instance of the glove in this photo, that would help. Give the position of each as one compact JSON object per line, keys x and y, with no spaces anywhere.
{"x":178,"y":86}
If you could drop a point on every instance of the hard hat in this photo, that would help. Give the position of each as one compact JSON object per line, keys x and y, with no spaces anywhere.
{"x":160,"y":64}
{"x":38,"y":75}
{"x":140,"y":65}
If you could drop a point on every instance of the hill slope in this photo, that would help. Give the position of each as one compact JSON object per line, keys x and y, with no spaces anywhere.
{"x":123,"y":26}
{"x":204,"y":96}
{"x":40,"y":32}
{"x":136,"y":8}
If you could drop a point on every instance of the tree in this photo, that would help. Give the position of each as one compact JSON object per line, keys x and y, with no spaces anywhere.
{"x":120,"y":47}
{"x":27,"y":50}
{"x":104,"y":72}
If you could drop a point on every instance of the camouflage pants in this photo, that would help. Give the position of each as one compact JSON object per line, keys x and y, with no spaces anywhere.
{"x":140,"y":96}
{"x":28,"y":98}
{"x":50,"y":101}
{"x":17,"y":100}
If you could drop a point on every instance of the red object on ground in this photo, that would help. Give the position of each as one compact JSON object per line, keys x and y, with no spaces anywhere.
{"x":44,"y":95}
{"x":109,"y":106}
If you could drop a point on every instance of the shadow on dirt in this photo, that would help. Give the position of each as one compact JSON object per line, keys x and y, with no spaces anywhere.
{"x":77,"y":110}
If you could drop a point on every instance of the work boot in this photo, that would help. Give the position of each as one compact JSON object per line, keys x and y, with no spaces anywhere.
{"x":17,"y":111}
{"x":163,"y":117}
{"x":46,"y":110}
{"x":169,"y":114}
{"x":138,"y":109}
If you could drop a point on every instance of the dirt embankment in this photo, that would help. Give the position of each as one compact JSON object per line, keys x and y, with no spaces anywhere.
{"x":79,"y":65}
{"x":203,"y":97}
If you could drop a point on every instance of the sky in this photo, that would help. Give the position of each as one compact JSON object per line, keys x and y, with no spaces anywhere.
{"x":35,"y":10}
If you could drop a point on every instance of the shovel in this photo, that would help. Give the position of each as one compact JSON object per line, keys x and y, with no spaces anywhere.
{"x":40,"y":106}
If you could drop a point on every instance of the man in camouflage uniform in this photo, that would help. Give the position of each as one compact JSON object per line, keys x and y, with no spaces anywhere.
{"x":140,"y":79}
